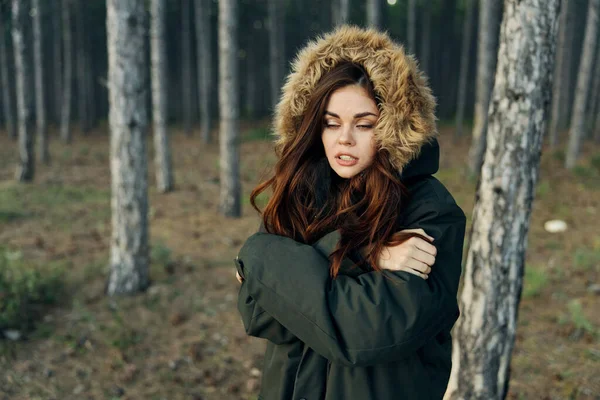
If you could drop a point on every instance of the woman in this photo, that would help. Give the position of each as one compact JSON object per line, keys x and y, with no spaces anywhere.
{"x":354,"y":274}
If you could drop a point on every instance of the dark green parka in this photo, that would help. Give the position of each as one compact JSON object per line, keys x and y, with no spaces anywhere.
{"x":364,"y":335}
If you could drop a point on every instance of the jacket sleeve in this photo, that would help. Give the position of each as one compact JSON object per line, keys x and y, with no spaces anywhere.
{"x":374,"y":318}
{"x":257,"y":322}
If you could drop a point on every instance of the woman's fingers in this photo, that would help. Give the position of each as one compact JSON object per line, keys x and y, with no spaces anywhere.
{"x":423,"y":256}
{"x":419,"y":231}
{"x":239,"y":278}
{"x":412,"y":271}
{"x":418,"y":266}
{"x":423,"y":245}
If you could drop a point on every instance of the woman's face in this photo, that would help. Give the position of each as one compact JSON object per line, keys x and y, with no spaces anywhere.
{"x":350,"y":118}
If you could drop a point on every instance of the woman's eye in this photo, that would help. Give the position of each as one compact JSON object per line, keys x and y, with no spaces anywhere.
{"x":364,"y":127}
{"x":329,"y":126}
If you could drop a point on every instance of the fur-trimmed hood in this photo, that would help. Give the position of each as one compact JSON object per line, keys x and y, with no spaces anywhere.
{"x":406,"y":121}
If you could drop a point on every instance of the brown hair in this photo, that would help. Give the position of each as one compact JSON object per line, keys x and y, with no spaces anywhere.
{"x":364,"y":208}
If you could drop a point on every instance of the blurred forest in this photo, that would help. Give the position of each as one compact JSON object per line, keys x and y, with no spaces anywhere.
{"x":62,"y":337}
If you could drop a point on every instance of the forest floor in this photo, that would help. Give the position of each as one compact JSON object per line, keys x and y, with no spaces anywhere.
{"x":183,"y":338}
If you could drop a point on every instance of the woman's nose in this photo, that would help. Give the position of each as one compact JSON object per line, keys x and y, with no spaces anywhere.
{"x":345,"y":137}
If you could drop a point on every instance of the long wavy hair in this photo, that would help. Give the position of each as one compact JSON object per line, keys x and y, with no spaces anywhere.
{"x":364,"y":208}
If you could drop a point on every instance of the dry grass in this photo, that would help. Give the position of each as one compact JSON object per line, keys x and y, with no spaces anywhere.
{"x":183,"y":338}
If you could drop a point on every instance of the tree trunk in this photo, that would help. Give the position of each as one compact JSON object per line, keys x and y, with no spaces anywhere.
{"x":595,"y":111}
{"x":40,"y":104}
{"x":411,"y":27}
{"x":373,"y":13}
{"x":340,"y":12}
{"x":81,"y":50}
{"x":128,"y":119}
{"x":485,"y":333}
{"x":250,"y":82}
{"x":577,"y":129}
{"x":204,"y":65}
{"x":559,"y":84}
{"x":162,"y":153}
{"x":464,"y":67}
{"x":426,"y":40}
{"x":26,"y":166}
{"x":7,"y":100}
{"x":67,"y":78}
{"x":486,"y":64}
{"x":276,"y":49}
{"x":186,"y":67}
{"x":57,"y":60}
{"x":229,"y":109}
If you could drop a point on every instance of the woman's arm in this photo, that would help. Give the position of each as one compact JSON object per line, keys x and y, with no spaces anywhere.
{"x":374,"y":318}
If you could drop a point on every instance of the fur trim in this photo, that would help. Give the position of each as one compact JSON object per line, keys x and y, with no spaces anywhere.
{"x":406,"y":119}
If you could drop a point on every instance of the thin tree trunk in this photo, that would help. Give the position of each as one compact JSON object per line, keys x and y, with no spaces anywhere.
{"x":7,"y":100}
{"x":90,"y":82}
{"x":595,"y":111}
{"x":559,"y":71}
{"x":67,"y":77}
{"x":464,"y":67}
{"x":340,"y":12}
{"x":229,"y":109}
{"x":186,"y":67}
{"x":577,"y":130}
{"x":204,"y":65}
{"x":162,"y":153}
{"x":486,"y":64}
{"x":373,"y":13}
{"x":26,"y":166}
{"x":485,"y":334}
{"x":40,"y":104}
{"x":250,"y":82}
{"x":82,"y":95}
{"x":276,"y":49}
{"x":128,"y":119}
{"x":411,"y":27}
{"x":426,"y":40}
{"x":57,"y":60}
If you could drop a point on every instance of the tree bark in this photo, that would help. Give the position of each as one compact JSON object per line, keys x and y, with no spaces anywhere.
{"x":411,"y":27}
{"x":204,"y":65}
{"x":340,"y":12}
{"x":595,"y":111}
{"x":229,"y":109}
{"x":40,"y":104}
{"x":162,"y":153}
{"x":128,"y":120}
{"x":7,"y":100}
{"x":26,"y":166}
{"x":186,"y":67}
{"x":485,"y":333}
{"x":464,"y":67}
{"x":559,"y":85}
{"x":82,"y":95}
{"x":577,"y":129}
{"x":425,"y":52}
{"x":67,"y":78}
{"x":251,"y":95}
{"x":276,"y":49}
{"x":373,"y":13}
{"x":57,"y":60}
{"x":486,"y":64}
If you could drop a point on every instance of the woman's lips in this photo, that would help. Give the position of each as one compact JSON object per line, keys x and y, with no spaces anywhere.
{"x":346,"y":163}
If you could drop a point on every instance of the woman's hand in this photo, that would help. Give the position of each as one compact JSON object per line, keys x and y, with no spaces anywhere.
{"x":415,"y":255}
{"x":239,"y":278}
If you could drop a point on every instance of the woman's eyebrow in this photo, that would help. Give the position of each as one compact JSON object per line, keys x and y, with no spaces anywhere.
{"x":359,"y":115}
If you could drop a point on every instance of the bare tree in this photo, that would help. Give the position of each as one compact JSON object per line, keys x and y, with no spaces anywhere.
{"x":57,"y":59}
{"x":484,"y":335}
{"x":7,"y":100}
{"x":559,"y":84}
{"x":128,"y":119}
{"x":340,"y":12}
{"x":584,"y":80}
{"x":204,"y":65}
{"x":229,"y":109}
{"x":411,"y":27}
{"x":40,"y":104}
{"x":276,"y":48}
{"x":162,"y":153}
{"x":489,"y":11}
{"x":67,"y":76}
{"x":464,"y":67}
{"x":186,"y":66}
{"x":374,"y":13}
{"x":26,"y":166}
{"x":81,"y":64}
